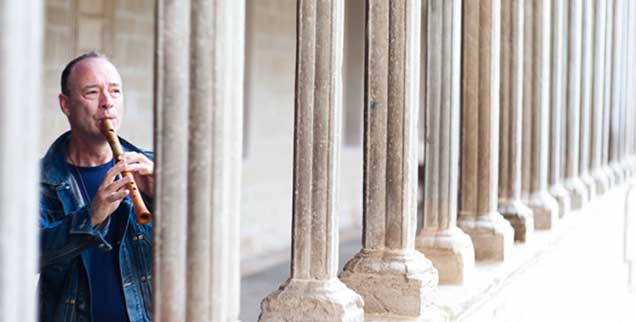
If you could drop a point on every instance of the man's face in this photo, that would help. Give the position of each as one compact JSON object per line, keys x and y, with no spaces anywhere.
{"x":95,"y":93}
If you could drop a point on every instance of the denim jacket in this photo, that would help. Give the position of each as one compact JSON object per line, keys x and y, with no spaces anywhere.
{"x":65,"y":235}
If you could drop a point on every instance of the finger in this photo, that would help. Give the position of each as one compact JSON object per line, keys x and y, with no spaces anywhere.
{"x":113,"y":172}
{"x":139,"y":168}
{"x":117,"y":195}
{"x":135,"y":157}
{"x":117,"y":184}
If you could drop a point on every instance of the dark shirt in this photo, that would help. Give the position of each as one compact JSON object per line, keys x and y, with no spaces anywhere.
{"x":107,"y":295}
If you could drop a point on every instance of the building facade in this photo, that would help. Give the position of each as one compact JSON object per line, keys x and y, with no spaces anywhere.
{"x":469,"y":143}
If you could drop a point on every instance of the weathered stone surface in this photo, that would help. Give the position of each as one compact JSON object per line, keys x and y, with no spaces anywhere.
{"x":395,"y":282}
{"x":492,"y":235}
{"x":557,"y":89}
{"x":392,"y":277}
{"x":510,"y":135}
{"x":616,"y":92}
{"x":20,"y":83}
{"x":199,"y":70}
{"x":586,"y":99}
{"x":450,"y":249}
{"x":536,"y":104}
{"x":598,"y":97}
{"x":451,"y":252}
{"x":171,"y":150}
{"x":573,"y":183}
{"x":313,"y":292}
{"x":299,"y":300}
{"x":607,"y":100}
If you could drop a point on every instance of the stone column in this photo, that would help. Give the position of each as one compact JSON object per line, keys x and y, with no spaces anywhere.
{"x":20,"y":104}
{"x":631,"y":90}
{"x":449,"y":248}
{"x":510,"y":135}
{"x":492,"y":235}
{"x":607,"y":89}
{"x":624,"y":96}
{"x":557,"y":106}
{"x":615,"y":103}
{"x":199,"y":88}
{"x":587,"y":42}
{"x":536,"y":99}
{"x":388,"y":264}
{"x":313,"y":292}
{"x":598,"y":96}
{"x":576,"y":187}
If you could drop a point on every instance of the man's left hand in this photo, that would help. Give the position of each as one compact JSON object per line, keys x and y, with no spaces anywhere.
{"x":142,"y":170}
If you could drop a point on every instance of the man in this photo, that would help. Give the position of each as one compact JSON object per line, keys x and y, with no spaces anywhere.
{"x":95,"y":262}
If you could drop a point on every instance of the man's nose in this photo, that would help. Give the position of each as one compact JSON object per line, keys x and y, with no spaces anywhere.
{"x":105,"y":100}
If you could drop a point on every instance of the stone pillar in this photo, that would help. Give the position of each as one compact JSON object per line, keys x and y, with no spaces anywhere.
{"x":576,"y":187}
{"x":492,"y":235}
{"x":631,"y":90}
{"x":449,"y":248}
{"x":557,"y":106}
{"x":615,"y":94}
{"x":536,"y":101}
{"x":607,"y":99}
{"x":587,"y":42}
{"x":598,"y":97}
{"x":199,"y":88}
{"x":229,"y":150}
{"x":624,"y":87}
{"x":313,"y":292}
{"x":20,"y":104}
{"x":510,"y":135}
{"x":388,"y":264}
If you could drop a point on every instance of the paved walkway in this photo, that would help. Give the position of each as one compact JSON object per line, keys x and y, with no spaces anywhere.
{"x":257,"y":286}
{"x":583,"y":279}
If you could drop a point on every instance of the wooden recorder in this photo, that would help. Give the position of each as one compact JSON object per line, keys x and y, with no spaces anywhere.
{"x":142,"y":214}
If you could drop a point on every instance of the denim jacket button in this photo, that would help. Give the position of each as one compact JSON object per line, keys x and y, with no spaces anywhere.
{"x":143,"y":278}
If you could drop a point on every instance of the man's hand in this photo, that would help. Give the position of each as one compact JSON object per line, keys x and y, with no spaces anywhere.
{"x":109,"y":194}
{"x":142,"y":170}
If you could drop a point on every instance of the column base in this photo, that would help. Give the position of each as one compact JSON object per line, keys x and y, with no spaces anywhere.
{"x":562,"y":196}
{"x":577,"y":192}
{"x":631,"y":164}
{"x":611,"y":180}
{"x":545,"y":209}
{"x":590,"y":186}
{"x":312,"y":301}
{"x":395,"y":282}
{"x":519,"y":216}
{"x":626,"y":170}
{"x":492,"y":235}
{"x":617,"y":173}
{"x":451,"y":252}
{"x":601,"y":181}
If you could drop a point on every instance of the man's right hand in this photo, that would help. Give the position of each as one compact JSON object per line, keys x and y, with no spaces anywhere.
{"x":109,"y":194}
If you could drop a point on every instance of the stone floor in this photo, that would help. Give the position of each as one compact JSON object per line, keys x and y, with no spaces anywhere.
{"x":574,"y":273}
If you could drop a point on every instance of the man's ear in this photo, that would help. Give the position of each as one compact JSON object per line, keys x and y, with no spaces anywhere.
{"x":65,"y":104}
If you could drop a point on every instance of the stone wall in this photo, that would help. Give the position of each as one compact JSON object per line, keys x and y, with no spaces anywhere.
{"x":123,"y":30}
{"x":269,"y":114}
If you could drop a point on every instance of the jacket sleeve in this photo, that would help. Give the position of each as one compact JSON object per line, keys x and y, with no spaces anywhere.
{"x":64,"y":236}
